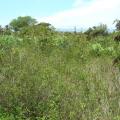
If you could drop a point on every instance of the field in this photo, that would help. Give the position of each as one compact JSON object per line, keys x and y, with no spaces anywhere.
{"x":61,"y":76}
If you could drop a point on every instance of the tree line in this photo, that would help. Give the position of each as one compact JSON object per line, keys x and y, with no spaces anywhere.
{"x":26,"y":25}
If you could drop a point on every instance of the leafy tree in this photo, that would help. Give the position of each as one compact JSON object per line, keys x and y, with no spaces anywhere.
{"x":41,"y":29}
{"x":7,"y":30}
{"x":97,"y":30}
{"x":44,"y":24}
{"x":21,"y":22}
{"x":1,"y":29}
{"x":88,"y":32}
{"x":45,"y":27}
{"x":117,"y":24}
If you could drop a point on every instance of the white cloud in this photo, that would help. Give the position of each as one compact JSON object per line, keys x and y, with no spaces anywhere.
{"x":82,"y":3}
{"x":86,"y":15}
{"x":79,"y":3}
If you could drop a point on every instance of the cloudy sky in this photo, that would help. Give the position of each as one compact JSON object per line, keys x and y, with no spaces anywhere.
{"x":63,"y":13}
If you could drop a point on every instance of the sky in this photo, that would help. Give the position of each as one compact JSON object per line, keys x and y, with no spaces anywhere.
{"x":62,"y":13}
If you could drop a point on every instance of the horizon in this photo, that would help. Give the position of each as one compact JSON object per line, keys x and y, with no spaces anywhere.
{"x":62,"y":14}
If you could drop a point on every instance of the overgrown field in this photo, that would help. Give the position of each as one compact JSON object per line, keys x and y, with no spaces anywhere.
{"x":60,"y":77}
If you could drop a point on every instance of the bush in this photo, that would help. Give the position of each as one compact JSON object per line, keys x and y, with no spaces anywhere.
{"x":97,"y":49}
{"x":58,"y":79}
{"x":95,"y":31}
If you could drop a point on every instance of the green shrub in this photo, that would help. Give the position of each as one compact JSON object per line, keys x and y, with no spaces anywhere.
{"x":110,"y":51}
{"x":58,"y":40}
{"x":97,"y":49}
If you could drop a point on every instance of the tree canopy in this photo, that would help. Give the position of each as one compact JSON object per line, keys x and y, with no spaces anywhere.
{"x":97,"y":30}
{"x":21,"y":22}
{"x":117,"y":24}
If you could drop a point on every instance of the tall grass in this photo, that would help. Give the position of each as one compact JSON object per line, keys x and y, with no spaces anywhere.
{"x":58,"y":80}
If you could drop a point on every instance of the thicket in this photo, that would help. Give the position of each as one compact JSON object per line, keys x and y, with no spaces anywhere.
{"x":50,"y":75}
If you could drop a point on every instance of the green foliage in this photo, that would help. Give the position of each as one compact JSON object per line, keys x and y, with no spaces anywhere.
{"x":42,"y":30}
{"x":117,"y":24}
{"x":1,"y":30}
{"x":21,"y":22}
{"x":54,"y":76}
{"x":59,"y":40}
{"x":103,"y":46}
{"x":97,"y":31}
{"x":97,"y":49}
{"x":110,"y":51}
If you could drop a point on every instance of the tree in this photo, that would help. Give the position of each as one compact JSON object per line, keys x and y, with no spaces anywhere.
{"x":1,"y":30}
{"x":117,"y":24}
{"x":45,"y":26}
{"x":39,"y":30}
{"x":97,"y":30}
{"x":42,"y":29}
{"x":21,"y":22}
{"x":7,"y":30}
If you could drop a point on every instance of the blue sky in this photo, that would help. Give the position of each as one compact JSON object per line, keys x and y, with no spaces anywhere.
{"x":62,"y":13}
{"x":10,"y":9}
